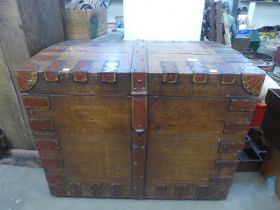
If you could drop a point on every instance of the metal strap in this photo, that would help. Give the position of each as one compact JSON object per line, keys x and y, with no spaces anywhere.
{"x":139,"y":118}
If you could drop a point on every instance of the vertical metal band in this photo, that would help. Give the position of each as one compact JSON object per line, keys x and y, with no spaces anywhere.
{"x":139,"y":69}
{"x":139,"y":118}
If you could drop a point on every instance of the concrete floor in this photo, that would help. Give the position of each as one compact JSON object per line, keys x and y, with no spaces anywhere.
{"x":26,"y":189}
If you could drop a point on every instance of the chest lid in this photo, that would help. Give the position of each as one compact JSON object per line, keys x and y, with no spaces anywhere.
{"x":129,"y":68}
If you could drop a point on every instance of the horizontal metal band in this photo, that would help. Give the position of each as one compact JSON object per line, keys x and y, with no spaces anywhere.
{"x":42,"y":124}
{"x":106,"y":189}
{"x":36,"y":102}
{"x":47,"y":144}
{"x":226,"y":164}
{"x":235,"y":127}
{"x":181,"y":191}
{"x":56,"y":189}
{"x":45,"y":163}
{"x":50,"y":154}
{"x":74,"y":190}
{"x":52,"y":177}
{"x":221,"y":180}
{"x":160,"y":190}
{"x":241,"y":105}
{"x":116,"y":189}
{"x":231,"y":147}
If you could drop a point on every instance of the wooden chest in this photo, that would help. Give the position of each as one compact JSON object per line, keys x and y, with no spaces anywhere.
{"x":163,"y":120}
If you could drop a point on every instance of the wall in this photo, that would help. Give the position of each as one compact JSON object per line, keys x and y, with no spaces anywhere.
{"x":11,"y":117}
{"x":13,"y":51}
{"x":163,"y":20}
{"x":230,"y":3}
{"x":42,"y":21}
{"x":25,"y":28}
{"x":116,"y":9}
{"x":263,"y":14}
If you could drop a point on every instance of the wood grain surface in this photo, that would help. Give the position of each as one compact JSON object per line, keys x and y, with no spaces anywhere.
{"x":158,"y":120}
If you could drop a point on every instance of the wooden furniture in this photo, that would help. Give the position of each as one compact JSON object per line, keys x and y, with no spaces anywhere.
{"x":271,"y":128}
{"x":86,"y":24}
{"x":26,"y":28}
{"x":255,"y":149}
{"x":271,"y":167}
{"x":162,"y":120}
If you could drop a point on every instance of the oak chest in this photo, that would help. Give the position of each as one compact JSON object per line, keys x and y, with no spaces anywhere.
{"x":120,"y":119}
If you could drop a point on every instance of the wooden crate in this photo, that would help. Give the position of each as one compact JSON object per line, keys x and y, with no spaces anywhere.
{"x":86,"y":24}
{"x":162,"y":120}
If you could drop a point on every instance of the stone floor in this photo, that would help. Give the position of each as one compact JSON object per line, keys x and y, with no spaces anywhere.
{"x":26,"y":189}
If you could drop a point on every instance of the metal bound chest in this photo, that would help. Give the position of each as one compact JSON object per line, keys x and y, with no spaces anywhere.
{"x":162,"y":120}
